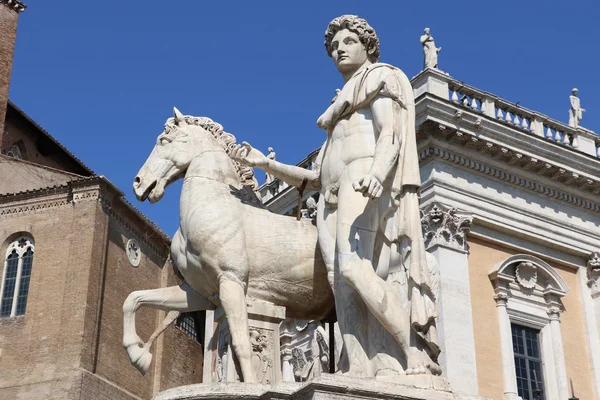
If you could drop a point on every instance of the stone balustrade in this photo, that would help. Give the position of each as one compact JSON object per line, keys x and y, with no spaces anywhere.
{"x":472,"y":99}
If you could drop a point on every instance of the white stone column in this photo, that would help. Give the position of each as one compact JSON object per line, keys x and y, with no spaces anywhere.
{"x":285,"y":339}
{"x":559,"y":354}
{"x":445,"y":238}
{"x":509,"y":374}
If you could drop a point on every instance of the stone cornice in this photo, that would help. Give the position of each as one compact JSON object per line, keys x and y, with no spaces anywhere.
{"x":492,"y":132}
{"x":16,"y":5}
{"x":547,"y":167}
{"x":511,"y":178}
{"x":74,"y":193}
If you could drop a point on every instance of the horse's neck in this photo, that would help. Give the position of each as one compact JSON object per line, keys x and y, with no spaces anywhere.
{"x":211,"y":170}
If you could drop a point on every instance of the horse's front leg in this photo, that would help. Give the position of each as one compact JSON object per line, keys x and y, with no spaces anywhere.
{"x":233,"y":300}
{"x":180,"y":298}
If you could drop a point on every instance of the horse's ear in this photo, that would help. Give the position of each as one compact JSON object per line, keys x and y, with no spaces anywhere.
{"x":179,"y":118}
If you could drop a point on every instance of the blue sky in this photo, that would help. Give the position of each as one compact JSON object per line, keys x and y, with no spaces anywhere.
{"x":102,"y":77}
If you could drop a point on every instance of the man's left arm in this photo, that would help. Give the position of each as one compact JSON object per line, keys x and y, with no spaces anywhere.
{"x":386,"y":149}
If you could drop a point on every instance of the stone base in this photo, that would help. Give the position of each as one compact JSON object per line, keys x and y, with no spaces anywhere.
{"x":324,"y":387}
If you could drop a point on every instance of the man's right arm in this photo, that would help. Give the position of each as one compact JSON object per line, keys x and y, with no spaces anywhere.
{"x":290,"y":174}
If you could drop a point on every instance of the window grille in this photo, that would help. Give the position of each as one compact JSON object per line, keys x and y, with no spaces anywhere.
{"x":192,"y":323}
{"x":528,"y":362}
{"x":15,"y":280}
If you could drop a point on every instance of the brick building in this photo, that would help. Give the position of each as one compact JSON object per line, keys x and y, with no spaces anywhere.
{"x":73,"y":249}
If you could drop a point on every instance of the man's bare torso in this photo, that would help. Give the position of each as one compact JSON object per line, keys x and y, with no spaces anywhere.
{"x":353,"y":138}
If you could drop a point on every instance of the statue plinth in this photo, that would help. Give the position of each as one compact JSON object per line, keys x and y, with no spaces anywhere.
{"x":220,"y":364}
{"x":325,"y":387}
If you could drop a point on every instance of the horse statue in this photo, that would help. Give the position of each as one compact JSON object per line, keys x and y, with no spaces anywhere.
{"x":228,"y":245}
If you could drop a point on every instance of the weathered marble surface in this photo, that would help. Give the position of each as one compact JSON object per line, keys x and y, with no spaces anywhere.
{"x":220,"y":361}
{"x":368,"y":216}
{"x":324,"y":387}
{"x":221,"y":248}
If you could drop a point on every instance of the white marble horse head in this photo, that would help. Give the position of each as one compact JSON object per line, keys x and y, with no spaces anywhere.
{"x":189,"y":141}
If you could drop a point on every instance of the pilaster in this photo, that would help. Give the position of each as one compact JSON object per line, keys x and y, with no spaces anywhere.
{"x":444,"y":231}
{"x":509,"y":375}
{"x":589,"y":281}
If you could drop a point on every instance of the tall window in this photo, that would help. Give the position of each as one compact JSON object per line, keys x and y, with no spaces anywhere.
{"x":528,"y":362}
{"x":16,"y":276}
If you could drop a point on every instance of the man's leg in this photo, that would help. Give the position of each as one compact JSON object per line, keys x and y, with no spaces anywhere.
{"x":357,"y":227}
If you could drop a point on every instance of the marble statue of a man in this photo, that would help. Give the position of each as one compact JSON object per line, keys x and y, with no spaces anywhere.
{"x":368,"y":217}
{"x":429,"y":50}
{"x":575,"y":112}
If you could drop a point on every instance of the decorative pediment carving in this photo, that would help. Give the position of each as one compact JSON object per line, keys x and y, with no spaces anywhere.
{"x":445,"y":226}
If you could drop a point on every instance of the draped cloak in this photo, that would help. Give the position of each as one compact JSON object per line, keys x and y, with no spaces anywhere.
{"x":401,"y":224}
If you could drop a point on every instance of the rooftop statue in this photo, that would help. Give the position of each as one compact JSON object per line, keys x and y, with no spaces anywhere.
{"x":575,"y":112}
{"x":221,"y":248}
{"x":270,"y":156}
{"x":368,"y":218}
{"x":429,"y":50}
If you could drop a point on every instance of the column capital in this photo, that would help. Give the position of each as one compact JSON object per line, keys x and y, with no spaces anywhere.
{"x":593,"y":273}
{"x":501,"y":299}
{"x":445,"y":226}
{"x":554,"y":313}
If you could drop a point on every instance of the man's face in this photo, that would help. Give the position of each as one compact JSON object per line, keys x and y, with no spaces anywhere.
{"x":348,"y":53}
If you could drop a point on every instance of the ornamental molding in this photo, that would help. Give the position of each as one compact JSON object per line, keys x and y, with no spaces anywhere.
{"x":526,"y":274}
{"x":518,"y":159}
{"x":527,"y":163}
{"x":445,"y":226}
{"x":69,"y":195}
{"x":593,"y":272}
{"x":16,"y":5}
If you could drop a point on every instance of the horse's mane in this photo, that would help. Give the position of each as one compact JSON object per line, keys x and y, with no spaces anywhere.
{"x":226,"y":140}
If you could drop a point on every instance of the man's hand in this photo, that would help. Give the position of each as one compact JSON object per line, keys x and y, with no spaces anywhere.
{"x":369,"y":186}
{"x":248,"y":155}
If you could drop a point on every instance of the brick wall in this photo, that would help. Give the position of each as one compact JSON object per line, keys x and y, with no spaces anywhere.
{"x":35,"y":145}
{"x":68,"y":343}
{"x":8,"y":34}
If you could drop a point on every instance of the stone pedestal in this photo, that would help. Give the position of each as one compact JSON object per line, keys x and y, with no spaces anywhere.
{"x":220,"y":364}
{"x":324,"y":387}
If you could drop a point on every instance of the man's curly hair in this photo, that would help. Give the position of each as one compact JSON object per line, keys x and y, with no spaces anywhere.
{"x":366,"y":34}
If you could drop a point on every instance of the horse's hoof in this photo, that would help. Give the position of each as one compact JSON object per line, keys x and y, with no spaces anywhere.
{"x":140,"y":358}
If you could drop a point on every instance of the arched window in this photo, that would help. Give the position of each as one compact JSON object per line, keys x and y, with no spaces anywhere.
{"x":528,"y":302}
{"x":14,"y":152}
{"x":15,"y":279}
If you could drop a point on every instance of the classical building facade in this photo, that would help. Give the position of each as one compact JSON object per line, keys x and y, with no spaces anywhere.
{"x":72,"y":250}
{"x":510,"y":210}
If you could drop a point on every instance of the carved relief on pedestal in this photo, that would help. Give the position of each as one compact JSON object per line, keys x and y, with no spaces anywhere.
{"x":262,"y":351}
{"x":308,"y":347}
{"x":445,"y":226}
{"x":593,"y":272}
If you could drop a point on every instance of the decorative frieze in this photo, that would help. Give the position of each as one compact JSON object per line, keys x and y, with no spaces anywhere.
{"x":445,"y":226}
{"x":515,"y":179}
